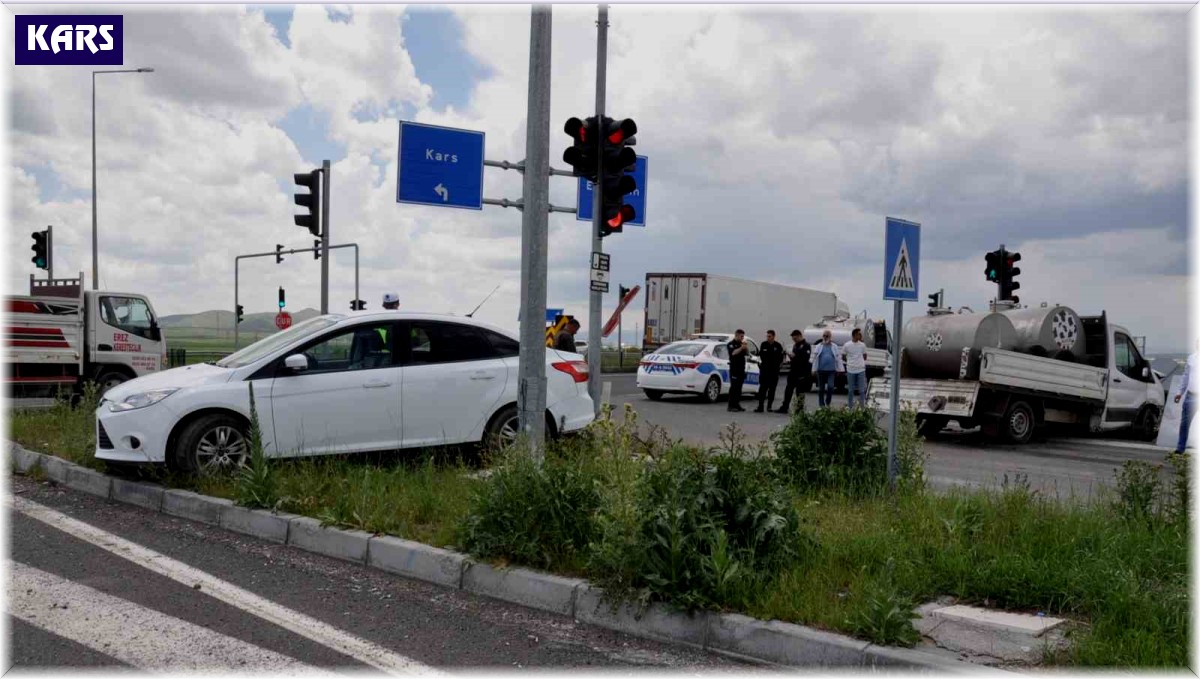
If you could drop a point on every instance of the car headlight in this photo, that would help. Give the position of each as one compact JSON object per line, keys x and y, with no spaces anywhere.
{"x":142,"y":400}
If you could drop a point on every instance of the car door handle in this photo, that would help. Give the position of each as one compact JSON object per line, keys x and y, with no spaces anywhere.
{"x":1116,"y":379}
{"x":482,"y":376}
{"x":376,"y":384}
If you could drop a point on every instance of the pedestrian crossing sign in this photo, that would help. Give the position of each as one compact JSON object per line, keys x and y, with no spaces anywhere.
{"x":901,"y":260}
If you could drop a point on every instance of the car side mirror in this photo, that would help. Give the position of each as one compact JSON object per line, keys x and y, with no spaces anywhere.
{"x":1146,"y":372}
{"x":296,"y":362}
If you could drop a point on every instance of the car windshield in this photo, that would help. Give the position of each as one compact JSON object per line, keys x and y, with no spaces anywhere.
{"x":270,"y":344}
{"x":682,"y":349}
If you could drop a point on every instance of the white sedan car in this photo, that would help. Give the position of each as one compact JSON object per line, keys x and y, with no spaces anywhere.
{"x":339,"y":384}
{"x":699,"y":366}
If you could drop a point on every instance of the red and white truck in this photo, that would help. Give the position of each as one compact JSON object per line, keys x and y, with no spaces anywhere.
{"x":61,"y":336}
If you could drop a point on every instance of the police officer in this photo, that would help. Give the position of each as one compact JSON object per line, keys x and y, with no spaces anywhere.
{"x":800,"y":371}
{"x":771,"y":354}
{"x":738,"y":349}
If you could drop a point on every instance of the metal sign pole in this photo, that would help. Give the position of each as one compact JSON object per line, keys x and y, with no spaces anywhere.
{"x":895,"y":384}
{"x":594,"y":332}
{"x":236,"y":324}
{"x":531,"y":387}
{"x":325,"y":237}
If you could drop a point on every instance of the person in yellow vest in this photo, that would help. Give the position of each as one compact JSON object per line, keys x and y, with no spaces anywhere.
{"x":565,"y":341}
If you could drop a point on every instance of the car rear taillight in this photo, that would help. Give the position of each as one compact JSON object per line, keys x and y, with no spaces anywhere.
{"x":578,"y":370}
{"x":687,"y":366}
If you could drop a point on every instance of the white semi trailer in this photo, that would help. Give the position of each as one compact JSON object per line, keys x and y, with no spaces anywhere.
{"x":683,"y":305}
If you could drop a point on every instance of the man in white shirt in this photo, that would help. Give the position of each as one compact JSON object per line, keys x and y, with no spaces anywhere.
{"x":1188,"y":391}
{"x":856,"y":368}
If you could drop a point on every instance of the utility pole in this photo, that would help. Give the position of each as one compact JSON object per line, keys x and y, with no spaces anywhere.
{"x":50,"y":254}
{"x":593,"y":356}
{"x":325,"y":239}
{"x":535,"y":198}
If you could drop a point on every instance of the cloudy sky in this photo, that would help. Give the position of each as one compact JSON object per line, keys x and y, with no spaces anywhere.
{"x":779,"y":138}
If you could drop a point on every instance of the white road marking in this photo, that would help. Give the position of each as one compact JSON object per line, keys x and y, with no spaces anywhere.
{"x":133,"y":634}
{"x":1109,"y":443}
{"x":343,"y":642}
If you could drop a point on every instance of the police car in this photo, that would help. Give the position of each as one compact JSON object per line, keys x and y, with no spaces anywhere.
{"x":695,"y":366}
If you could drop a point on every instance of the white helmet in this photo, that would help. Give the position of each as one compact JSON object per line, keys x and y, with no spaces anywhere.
{"x":391,"y":298}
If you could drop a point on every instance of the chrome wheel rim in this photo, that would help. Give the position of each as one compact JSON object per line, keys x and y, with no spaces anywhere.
{"x":714,"y":390}
{"x":507,"y":432}
{"x":221,"y":448}
{"x":1019,"y":423}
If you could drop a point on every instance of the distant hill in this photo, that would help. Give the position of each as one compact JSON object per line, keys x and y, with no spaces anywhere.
{"x":219,"y":322}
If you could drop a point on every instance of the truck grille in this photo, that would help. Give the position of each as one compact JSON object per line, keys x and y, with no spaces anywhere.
{"x":102,"y":437}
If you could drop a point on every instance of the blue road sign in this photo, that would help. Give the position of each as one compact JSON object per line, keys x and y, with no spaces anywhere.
{"x":552,"y":314}
{"x":440,"y":166}
{"x":901,"y":260}
{"x":637,"y":200}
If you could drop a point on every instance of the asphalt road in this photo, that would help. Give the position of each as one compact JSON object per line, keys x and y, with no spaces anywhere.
{"x":1061,"y":467}
{"x":80,"y":595}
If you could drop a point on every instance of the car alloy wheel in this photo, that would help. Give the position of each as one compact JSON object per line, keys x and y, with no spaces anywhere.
{"x":221,"y":448}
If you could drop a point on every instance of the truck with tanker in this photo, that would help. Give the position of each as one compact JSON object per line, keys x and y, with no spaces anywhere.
{"x":61,"y":336}
{"x":1014,"y":371}
{"x":700,"y":305}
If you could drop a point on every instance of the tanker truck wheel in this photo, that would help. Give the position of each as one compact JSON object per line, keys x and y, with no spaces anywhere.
{"x":1146,"y":424}
{"x":1018,"y":423}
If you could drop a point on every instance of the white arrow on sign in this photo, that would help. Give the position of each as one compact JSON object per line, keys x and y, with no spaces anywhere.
{"x":443,"y":192}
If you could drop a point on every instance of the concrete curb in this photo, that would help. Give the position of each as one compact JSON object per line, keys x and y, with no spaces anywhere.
{"x":542,"y":591}
{"x":140,"y":494}
{"x":771,"y":642}
{"x":348,"y":545}
{"x":188,"y":505}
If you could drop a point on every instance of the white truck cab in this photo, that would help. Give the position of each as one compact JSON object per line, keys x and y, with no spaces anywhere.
{"x":62,"y":336}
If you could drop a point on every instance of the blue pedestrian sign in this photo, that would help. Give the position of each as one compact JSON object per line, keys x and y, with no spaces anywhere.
{"x":585,"y":195}
{"x":901,"y":260}
{"x":440,"y":166}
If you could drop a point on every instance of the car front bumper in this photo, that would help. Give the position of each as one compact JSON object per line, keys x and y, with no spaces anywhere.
{"x":134,"y":435}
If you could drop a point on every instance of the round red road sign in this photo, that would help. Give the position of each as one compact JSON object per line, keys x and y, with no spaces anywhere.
{"x":283,"y":320}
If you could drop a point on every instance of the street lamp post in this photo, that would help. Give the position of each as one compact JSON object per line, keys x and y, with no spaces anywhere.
{"x":95,"y":245}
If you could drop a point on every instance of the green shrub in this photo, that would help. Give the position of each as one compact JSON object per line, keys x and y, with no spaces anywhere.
{"x":833,"y":448}
{"x":540,"y":515}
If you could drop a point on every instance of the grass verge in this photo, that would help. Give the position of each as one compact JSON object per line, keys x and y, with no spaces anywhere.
{"x":766,"y":531}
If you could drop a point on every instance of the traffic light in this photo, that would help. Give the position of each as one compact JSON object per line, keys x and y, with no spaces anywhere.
{"x":581,"y":155}
{"x":994,"y":260}
{"x":41,"y":254}
{"x":281,"y":297}
{"x":622,"y":291}
{"x":1008,"y":275}
{"x":310,"y":200}
{"x":239,"y":313}
{"x":618,"y":158}
{"x":278,"y":253}
{"x":935,"y":300}
{"x":357,"y":305}
{"x":316,"y":249}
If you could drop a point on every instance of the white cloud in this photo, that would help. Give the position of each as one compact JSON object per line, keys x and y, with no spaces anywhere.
{"x":778,"y":137}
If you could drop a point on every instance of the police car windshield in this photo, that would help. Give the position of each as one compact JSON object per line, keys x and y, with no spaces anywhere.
{"x":269,"y":344}
{"x":682,"y":349}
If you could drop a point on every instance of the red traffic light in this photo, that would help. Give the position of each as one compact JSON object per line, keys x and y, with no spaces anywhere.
{"x":621,"y":130}
{"x":625,"y":213}
{"x":576,"y":129}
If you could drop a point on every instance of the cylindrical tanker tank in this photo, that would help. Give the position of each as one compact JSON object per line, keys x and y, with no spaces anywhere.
{"x":841,"y":329}
{"x":948,"y":346}
{"x":1053,"y":331}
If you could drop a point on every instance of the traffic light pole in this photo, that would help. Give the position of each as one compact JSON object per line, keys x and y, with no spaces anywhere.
{"x":594,"y":300}
{"x":50,"y":252}
{"x":531,"y":385}
{"x":238,"y":260}
{"x":325,"y":241}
